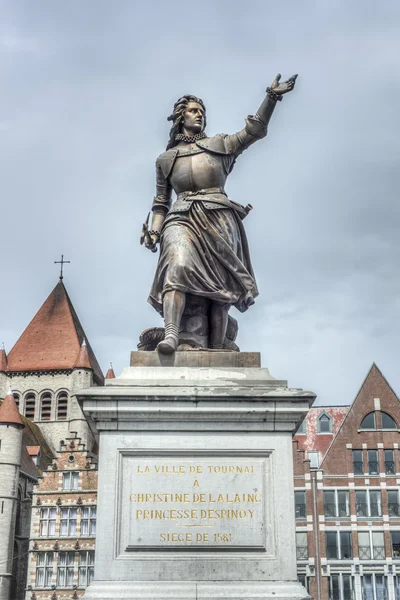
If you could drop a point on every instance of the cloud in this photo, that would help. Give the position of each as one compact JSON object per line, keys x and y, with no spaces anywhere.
{"x":86,"y":89}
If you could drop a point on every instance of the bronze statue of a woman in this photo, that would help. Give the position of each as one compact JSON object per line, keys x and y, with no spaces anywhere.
{"x":203,"y":246}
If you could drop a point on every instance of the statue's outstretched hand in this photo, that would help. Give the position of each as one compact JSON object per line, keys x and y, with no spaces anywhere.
{"x":285,"y":86}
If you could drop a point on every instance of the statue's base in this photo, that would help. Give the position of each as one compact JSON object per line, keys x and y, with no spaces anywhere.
{"x":195,"y":496}
{"x":197,"y":358}
{"x":188,"y":590}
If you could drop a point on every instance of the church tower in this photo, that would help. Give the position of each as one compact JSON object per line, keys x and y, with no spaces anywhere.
{"x":11,"y":427}
{"x":50,"y":361}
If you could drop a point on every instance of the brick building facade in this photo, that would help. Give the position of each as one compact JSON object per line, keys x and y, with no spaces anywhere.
{"x":347,"y":488}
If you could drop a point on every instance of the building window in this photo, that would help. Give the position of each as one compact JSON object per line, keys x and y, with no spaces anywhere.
{"x":368,"y":503}
{"x":396,"y":583}
{"x":336,"y":503}
{"x":302,"y":428}
{"x":395,"y":536}
{"x":45,"y":407}
{"x":48,"y":521}
{"x":314,"y":459}
{"x":373,"y":464}
{"x":17,"y":399}
{"x":374,"y":587}
{"x":389,"y":462}
{"x":71,"y":480}
{"x":88,"y":522}
{"x":341,"y":587}
{"x":369,"y":422}
{"x":338,"y":545}
{"x":393,"y":502}
{"x":65,"y":569}
{"x":358,"y":462}
{"x":371,"y":545}
{"x":68,"y":521}
{"x":44,"y":569}
{"x":62,"y":406}
{"x":301,"y":545}
{"x":86,"y":568}
{"x":387,"y":421}
{"x":30,"y":401}
{"x":300,"y":505}
{"x":324,"y":424}
{"x":301,"y":578}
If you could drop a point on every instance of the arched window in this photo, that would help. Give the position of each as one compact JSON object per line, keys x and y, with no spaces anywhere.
{"x":62,"y":406}
{"x":369,"y":421}
{"x":30,"y":401}
{"x":387,"y":421}
{"x":324,"y":424}
{"x":45,"y":407}
{"x":17,"y":399}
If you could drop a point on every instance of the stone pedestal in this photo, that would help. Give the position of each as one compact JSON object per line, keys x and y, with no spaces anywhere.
{"x":195,"y":480}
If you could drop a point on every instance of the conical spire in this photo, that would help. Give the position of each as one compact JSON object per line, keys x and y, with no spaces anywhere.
{"x":83,"y":360}
{"x":9,"y":414}
{"x":52,"y":340}
{"x":3,"y":360}
{"x":110,"y":372}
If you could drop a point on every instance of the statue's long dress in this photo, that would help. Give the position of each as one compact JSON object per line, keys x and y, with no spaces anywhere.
{"x":203,"y":246}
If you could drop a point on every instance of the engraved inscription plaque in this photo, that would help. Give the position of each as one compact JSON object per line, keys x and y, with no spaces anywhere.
{"x":202,"y":502}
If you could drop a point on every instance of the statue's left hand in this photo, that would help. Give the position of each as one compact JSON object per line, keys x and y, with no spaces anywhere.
{"x":285,"y":86}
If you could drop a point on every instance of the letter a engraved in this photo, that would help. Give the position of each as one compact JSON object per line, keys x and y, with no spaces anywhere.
{"x":196,"y":483}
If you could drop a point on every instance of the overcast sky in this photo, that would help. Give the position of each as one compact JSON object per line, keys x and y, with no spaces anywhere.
{"x":86,"y":87}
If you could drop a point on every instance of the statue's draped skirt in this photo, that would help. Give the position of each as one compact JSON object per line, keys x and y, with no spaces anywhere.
{"x":204,"y":252}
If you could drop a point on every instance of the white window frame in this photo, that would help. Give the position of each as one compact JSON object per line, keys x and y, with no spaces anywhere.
{"x":48,"y":518}
{"x":368,"y":492}
{"x":372,"y":553}
{"x":313,"y":456}
{"x":85,"y":568}
{"x":69,"y":479}
{"x":395,"y":491}
{"x":89,"y":521}
{"x":374,"y":592}
{"x":44,"y":571}
{"x":68,"y":518}
{"x":336,"y":503}
{"x":66,"y":569}
{"x":300,"y":547}
{"x":340,"y":577}
{"x":338,"y":543}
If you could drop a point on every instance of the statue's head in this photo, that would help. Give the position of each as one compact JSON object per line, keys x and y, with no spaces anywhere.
{"x":190,"y":114}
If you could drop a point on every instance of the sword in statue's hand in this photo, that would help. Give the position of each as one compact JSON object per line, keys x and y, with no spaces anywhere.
{"x":146,"y":237}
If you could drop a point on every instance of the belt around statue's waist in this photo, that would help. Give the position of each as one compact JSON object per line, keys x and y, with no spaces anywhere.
{"x":189,"y":195}
{"x":211,"y":198}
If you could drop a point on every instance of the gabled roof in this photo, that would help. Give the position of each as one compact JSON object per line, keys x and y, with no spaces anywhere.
{"x":52,"y":341}
{"x":375,"y":385}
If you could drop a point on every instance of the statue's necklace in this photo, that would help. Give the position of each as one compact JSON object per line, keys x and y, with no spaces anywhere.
{"x":181,"y":137}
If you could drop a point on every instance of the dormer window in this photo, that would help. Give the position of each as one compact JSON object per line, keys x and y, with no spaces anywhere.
{"x":324,"y":424}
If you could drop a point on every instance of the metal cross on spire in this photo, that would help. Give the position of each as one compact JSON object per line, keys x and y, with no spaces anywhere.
{"x":61,"y":262}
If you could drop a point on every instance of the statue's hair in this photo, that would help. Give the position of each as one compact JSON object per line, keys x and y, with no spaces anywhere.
{"x":177,"y":116}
